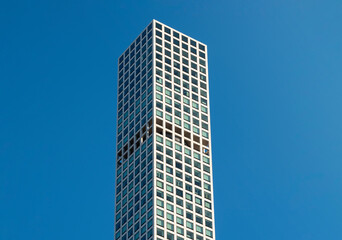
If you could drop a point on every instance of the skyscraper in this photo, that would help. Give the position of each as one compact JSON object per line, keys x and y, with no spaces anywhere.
{"x":164,"y":185}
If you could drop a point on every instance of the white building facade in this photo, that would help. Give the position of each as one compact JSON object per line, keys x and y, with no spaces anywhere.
{"x":164,"y":185}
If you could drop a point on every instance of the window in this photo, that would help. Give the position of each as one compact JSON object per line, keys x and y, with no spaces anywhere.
{"x":167,"y":92}
{"x":169,"y":198}
{"x":189,"y":225}
{"x":187,"y":126}
{"x":169,"y":170}
{"x":168,"y":143}
{"x":159,"y":26}
{"x":207,"y":186}
{"x":207,"y":204}
{"x":187,"y":151}
{"x":189,"y":215}
{"x":160,"y":203}
{"x":168,"y":100}
{"x":160,"y":175}
{"x":176,"y":81}
{"x":178,"y":147}
{"x":169,"y":179}
{"x":179,"y":211}
{"x":169,"y":188}
{"x":186,"y":117}
{"x":160,"y":232}
{"x":188,"y":169}
{"x":168,"y":117}
{"x":159,"y":88}
{"x":159,"y":148}
{"x":208,"y":233}
{"x":159,"y":139}
{"x":188,"y":196}
{"x":195,"y":105}
{"x":167,"y":45}
{"x":180,"y":230}
{"x":160,"y":222}
{"x":199,"y":229}
{"x":177,"y":97}
{"x":169,"y":226}
{"x":169,"y":216}
{"x":160,"y":184}
{"x":179,"y":174}
{"x":178,"y":122}
{"x":159,"y":165}
{"x":198,"y":200}
{"x":169,"y":207}
{"x":160,"y":212}
{"x":160,"y":194}
{"x":208,"y":214}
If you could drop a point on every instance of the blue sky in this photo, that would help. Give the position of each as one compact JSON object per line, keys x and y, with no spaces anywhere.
{"x":276,"y":94}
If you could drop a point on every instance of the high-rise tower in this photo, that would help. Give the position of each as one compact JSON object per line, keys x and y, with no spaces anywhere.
{"x":164,"y":184}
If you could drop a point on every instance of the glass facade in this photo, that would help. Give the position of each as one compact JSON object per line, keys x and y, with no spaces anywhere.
{"x":163,"y":167}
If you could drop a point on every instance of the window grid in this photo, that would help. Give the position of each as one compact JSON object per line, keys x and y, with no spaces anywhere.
{"x":163,"y":169}
{"x":169,"y":82}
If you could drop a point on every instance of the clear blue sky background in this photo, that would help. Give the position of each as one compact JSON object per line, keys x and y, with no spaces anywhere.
{"x":276,"y":106}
